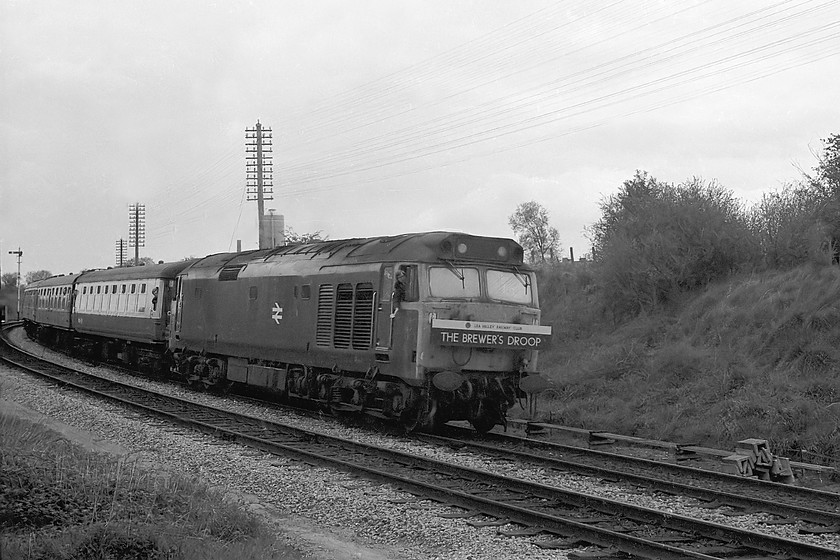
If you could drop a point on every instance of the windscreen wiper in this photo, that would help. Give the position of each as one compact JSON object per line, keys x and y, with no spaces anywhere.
{"x":524,"y":279}
{"x":458,"y":274}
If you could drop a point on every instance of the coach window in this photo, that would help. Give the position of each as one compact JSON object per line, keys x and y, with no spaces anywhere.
{"x":106,"y":288}
{"x":114,"y":289}
{"x":252,"y":293}
{"x":306,"y":291}
{"x":143,"y":288}
{"x":122,"y":289}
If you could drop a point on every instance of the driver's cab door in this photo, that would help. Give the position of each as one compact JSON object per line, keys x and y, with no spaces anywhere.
{"x":384,"y":322}
{"x":397,"y":285}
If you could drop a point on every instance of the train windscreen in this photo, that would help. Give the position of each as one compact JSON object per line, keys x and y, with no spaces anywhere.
{"x":509,"y":286}
{"x":454,"y":282}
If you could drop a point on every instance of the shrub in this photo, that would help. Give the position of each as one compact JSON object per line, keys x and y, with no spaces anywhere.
{"x":655,"y":240}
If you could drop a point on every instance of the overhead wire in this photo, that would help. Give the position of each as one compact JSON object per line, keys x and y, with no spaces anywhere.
{"x":430,"y":140}
{"x":400,"y":138}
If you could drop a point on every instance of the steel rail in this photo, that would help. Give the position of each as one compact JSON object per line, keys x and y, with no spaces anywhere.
{"x":328,"y":450}
{"x":828,"y":517}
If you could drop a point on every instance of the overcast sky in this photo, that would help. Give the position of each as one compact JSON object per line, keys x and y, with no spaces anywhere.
{"x":390,"y":116}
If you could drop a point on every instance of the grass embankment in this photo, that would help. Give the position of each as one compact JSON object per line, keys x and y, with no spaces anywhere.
{"x":755,"y":356}
{"x":58,"y":501}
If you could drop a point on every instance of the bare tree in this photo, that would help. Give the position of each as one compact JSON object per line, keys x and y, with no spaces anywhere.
{"x":537,"y":237}
{"x":293,"y":238}
{"x":37,"y":275}
{"x":9,"y":280}
{"x":143,"y":262}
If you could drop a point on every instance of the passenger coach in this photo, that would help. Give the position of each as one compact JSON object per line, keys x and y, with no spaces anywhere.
{"x":46,"y":308}
{"x":119,"y":313}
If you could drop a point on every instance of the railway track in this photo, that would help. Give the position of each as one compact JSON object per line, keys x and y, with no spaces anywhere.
{"x":816,"y":511}
{"x":564,"y":518}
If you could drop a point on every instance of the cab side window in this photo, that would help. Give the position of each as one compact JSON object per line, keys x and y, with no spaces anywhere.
{"x":405,"y":283}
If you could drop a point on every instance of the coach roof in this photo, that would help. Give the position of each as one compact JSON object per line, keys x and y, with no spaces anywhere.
{"x":53,"y":281}
{"x":166,"y":270}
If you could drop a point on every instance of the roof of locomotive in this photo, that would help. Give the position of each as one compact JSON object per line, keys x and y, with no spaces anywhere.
{"x":428,"y":247}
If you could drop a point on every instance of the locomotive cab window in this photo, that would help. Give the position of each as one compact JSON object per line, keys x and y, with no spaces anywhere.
{"x":456,"y":282}
{"x":513,"y":287}
{"x":405,"y":286}
{"x":387,"y":283}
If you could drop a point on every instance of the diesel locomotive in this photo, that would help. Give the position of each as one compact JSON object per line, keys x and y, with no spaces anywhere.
{"x":419,"y":328}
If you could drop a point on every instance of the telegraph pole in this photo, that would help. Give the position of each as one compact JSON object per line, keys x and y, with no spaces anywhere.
{"x":19,"y":254}
{"x":271,"y":212}
{"x":136,"y":228}
{"x":120,"y":252}
{"x":259,"y":178}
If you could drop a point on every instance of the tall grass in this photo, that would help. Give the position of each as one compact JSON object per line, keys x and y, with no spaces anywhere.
{"x":755,"y":355}
{"x":58,"y":501}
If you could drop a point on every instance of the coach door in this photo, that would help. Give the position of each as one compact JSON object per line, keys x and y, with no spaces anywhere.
{"x":384,"y":322}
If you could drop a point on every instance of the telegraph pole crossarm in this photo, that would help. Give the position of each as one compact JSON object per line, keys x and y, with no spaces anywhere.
{"x":137,"y":229}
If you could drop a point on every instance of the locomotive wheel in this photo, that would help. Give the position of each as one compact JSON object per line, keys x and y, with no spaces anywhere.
{"x":483,"y":424}
{"x":485,"y":416}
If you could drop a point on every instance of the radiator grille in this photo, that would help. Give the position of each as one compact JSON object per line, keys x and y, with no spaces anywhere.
{"x":343,"y":325}
{"x":326,"y":300}
{"x":345,"y":316}
{"x":363,"y":317}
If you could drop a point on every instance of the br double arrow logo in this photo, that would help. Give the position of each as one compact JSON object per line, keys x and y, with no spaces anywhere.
{"x":277,"y":313}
